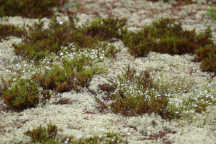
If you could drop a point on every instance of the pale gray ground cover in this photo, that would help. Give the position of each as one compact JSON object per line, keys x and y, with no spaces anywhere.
{"x":82,"y":119}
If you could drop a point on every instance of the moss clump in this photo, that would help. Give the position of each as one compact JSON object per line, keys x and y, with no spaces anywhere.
{"x":105,"y":29}
{"x":28,"y":8}
{"x":11,"y":30}
{"x":48,"y":135}
{"x":73,"y":75}
{"x":133,"y":95}
{"x":21,"y":95}
{"x":165,"y":36}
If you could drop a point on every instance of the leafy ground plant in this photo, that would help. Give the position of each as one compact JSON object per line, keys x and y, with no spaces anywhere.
{"x":28,"y":8}
{"x":11,"y":30}
{"x":134,"y":94}
{"x":42,"y":135}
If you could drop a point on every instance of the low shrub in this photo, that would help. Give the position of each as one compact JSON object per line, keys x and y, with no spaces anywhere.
{"x":21,"y":95}
{"x":106,"y":29}
{"x":73,"y":75}
{"x":40,"y":42}
{"x":42,"y":135}
{"x":165,"y":36}
{"x":207,"y":56}
{"x":133,"y":95}
{"x":28,"y":8}
{"x":11,"y":30}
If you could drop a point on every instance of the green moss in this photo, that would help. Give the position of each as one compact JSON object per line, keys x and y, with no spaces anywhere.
{"x":28,"y":8}
{"x":21,"y":95}
{"x":11,"y":30}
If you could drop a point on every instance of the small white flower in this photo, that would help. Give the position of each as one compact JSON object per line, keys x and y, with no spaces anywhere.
{"x":60,"y":22}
